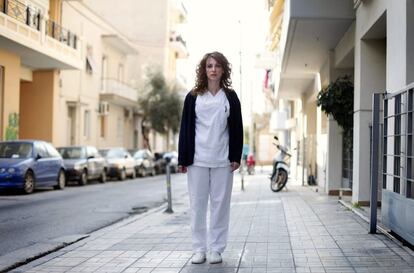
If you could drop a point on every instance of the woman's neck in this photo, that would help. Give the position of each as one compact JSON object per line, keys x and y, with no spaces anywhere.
{"x":213,"y":87}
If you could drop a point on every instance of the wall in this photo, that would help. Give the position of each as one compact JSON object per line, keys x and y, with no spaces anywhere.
{"x":38,"y":106}
{"x":146,"y":25}
{"x":11,"y":94}
{"x":372,"y":74}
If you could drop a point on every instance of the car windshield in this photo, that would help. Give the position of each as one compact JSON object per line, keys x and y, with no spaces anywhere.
{"x":72,"y":152}
{"x":15,"y":150}
{"x":111,"y":153}
{"x":139,"y":154}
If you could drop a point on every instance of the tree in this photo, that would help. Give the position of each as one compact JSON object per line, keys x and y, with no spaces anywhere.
{"x":337,"y":99}
{"x":161,"y":107}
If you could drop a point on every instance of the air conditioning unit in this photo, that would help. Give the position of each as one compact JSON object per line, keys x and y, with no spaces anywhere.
{"x":103,"y":108}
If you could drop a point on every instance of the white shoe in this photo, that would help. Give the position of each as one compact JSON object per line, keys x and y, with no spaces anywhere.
{"x":198,"y":258}
{"x":215,"y":258}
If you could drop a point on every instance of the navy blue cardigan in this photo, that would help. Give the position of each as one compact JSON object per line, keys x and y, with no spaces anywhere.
{"x":186,"y":140}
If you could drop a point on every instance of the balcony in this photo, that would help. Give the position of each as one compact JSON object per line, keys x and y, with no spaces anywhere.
{"x":41,"y":43}
{"x":178,"y":44}
{"x":118,"y":92}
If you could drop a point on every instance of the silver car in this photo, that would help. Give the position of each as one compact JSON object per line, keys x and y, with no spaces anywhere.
{"x":83,"y":163}
{"x":120,"y":163}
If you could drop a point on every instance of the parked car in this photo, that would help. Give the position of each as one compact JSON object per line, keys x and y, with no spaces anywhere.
{"x":173,"y":160}
{"x":28,"y":164}
{"x":144,"y":162}
{"x":83,"y":163}
{"x":120,"y":163}
{"x":161,"y":163}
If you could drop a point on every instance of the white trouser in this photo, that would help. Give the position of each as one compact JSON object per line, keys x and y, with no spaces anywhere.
{"x":217,"y":184}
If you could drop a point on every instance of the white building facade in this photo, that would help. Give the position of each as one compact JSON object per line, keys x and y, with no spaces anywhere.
{"x":372,"y":41}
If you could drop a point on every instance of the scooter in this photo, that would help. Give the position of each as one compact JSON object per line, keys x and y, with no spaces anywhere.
{"x":280,"y":172}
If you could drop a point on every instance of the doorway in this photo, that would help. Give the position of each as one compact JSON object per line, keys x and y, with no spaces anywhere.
{"x":71,"y":122}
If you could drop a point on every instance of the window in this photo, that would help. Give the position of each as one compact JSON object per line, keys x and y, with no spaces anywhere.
{"x":90,"y":63}
{"x":119,"y":128}
{"x":40,"y":150}
{"x":103,"y":72}
{"x":102,"y":120}
{"x":51,"y":151}
{"x":120,"y":72}
{"x":86,"y":124}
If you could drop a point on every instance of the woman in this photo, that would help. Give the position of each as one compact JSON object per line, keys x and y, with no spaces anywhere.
{"x":210,"y":147}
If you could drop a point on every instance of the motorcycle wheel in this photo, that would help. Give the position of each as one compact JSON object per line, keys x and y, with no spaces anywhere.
{"x":277,"y":183}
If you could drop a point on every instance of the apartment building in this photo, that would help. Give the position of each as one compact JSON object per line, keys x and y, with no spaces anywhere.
{"x":34,"y":47}
{"x":319,"y":41}
{"x":155,"y":27}
{"x":97,"y":102}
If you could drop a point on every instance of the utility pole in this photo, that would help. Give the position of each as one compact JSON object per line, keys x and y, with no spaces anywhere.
{"x":241,"y":105}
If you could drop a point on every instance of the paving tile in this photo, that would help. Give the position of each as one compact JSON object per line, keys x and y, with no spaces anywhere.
{"x":296,"y":230}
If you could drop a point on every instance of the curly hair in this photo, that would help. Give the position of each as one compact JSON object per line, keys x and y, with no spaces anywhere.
{"x":201,"y":83}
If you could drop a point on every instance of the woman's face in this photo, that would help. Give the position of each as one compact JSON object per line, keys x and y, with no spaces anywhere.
{"x":214,"y":70}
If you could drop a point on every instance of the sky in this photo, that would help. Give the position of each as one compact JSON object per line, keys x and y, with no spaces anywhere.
{"x":228,"y":26}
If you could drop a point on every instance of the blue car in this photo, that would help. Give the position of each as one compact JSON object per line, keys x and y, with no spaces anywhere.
{"x":27,"y":164}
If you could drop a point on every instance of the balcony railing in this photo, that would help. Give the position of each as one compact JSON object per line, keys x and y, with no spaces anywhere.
{"x":34,"y":19}
{"x":178,"y":43}
{"x":178,"y":39}
{"x":61,"y":34}
{"x":21,"y":12}
{"x":116,"y":87}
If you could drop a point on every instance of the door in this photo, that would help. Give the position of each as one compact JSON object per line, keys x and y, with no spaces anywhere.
{"x":94,"y":169}
{"x":40,"y":167}
{"x":71,"y":125}
{"x":347,"y":159}
{"x":54,"y":164}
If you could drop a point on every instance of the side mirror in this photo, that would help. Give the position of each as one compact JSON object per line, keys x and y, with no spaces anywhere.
{"x":90,"y":157}
{"x":38,"y":157}
{"x":275,"y":137}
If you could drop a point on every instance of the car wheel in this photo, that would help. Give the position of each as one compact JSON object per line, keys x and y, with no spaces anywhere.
{"x":143,"y":172}
{"x":122,"y":175}
{"x":29,"y":183}
{"x":83,"y":180}
{"x":61,"y":183}
{"x":103,"y":177}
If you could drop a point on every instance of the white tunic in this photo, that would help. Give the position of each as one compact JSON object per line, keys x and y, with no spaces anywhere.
{"x":211,"y":132}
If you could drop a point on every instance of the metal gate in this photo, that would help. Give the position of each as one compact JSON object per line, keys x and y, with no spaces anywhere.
{"x":397,"y":211}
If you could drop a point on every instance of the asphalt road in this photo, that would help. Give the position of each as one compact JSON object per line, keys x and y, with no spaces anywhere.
{"x":48,"y":215}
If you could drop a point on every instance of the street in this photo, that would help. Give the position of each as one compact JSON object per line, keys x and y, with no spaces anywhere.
{"x":51,"y":217}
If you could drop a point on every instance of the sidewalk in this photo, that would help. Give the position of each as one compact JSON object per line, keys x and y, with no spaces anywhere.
{"x":297,"y":230}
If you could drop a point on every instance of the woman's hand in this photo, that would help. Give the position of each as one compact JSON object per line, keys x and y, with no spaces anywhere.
{"x":234,"y":166}
{"x":182,"y":169}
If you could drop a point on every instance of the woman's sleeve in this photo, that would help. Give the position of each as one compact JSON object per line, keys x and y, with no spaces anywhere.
{"x":182,"y":143}
{"x":239,"y":126}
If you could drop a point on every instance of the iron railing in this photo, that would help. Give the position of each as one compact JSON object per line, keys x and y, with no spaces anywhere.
{"x":61,"y":34}
{"x":21,"y":12}
{"x":399,"y":115}
{"x":33,"y":18}
{"x":179,"y":39}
